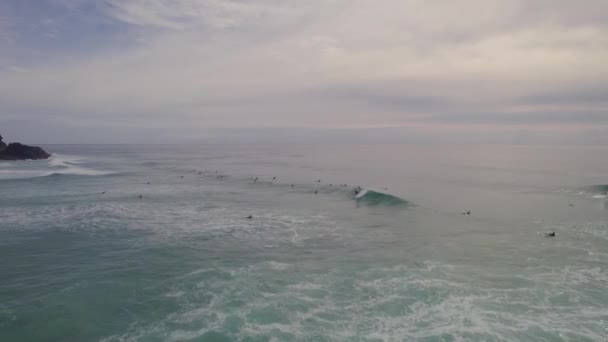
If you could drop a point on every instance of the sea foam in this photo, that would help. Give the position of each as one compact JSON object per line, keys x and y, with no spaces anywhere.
{"x":57,"y":164}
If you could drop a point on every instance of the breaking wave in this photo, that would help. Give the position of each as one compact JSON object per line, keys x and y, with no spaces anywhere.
{"x":375,"y":198}
{"x":596,"y":191}
{"x":57,"y":164}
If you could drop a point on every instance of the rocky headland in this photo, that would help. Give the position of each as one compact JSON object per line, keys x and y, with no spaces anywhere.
{"x":17,"y":151}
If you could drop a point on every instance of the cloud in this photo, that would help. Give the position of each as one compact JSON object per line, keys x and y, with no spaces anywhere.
{"x":236,"y":64}
{"x":211,"y":14}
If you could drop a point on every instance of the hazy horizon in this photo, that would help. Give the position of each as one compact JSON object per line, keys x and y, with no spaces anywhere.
{"x":181,"y":71}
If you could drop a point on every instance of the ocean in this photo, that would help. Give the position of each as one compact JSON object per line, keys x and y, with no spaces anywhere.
{"x":345,"y":243}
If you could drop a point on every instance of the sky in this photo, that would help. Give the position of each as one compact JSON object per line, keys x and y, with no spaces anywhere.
{"x":172,"y":71}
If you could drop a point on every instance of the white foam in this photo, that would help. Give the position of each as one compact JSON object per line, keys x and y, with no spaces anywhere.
{"x":81,"y":171}
{"x":69,"y":165}
{"x":62,"y":160}
{"x":361,"y":193}
{"x":278,"y":266}
{"x":57,"y":164}
{"x":385,"y":304}
{"x":175,"y":294}
{"x":306,"y":286}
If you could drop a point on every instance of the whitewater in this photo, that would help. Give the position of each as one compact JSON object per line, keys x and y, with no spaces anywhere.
{"x":57,"y":164}
{"x":344,"y":243}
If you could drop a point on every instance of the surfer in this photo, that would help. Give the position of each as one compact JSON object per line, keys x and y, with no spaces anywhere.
{"x":466,"y":213}
{"x":140,"y":196}
{"x":551,"y":234}
{"x":274,"y":178}
{"x":249,"y":217}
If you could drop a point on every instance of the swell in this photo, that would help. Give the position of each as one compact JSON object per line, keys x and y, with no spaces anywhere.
{"x":379,"y":199}
{"x":56,"y":165}
{"x":595,"y":191}
{"x":601,"y":189}
{"x":362,"y":196}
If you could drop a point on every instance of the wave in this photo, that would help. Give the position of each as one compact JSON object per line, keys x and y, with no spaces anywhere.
{"x":601,"y":188}
{"x":62,"y":160}
{"x":597,"y":191}
{"x":364,"y":197}
{"x":71,"y":165}
{"x":57,"y":164}
{"x":376,"y":198}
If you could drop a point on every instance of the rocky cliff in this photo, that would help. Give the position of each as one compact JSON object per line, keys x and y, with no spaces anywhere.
{"x":17,"y":151}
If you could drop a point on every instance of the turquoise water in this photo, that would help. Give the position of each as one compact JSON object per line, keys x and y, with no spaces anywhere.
{"x":83,"y":258}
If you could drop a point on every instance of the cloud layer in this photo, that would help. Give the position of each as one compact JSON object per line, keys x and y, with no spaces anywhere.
{"x":427,"y":67}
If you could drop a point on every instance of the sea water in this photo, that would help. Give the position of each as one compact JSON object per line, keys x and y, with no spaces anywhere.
{"x":346,"y":243}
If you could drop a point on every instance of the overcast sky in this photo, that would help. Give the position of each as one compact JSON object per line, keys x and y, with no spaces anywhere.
{"x":515,"y":71}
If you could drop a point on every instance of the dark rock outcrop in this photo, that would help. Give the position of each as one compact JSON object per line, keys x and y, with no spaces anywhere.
{"x":17,"y":151}
{"x":2,"y":144}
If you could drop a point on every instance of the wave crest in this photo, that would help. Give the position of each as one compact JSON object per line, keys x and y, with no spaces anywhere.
{"x":596,"y":191}
{"x":376,"y":198}
{"x":57,"y":164}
